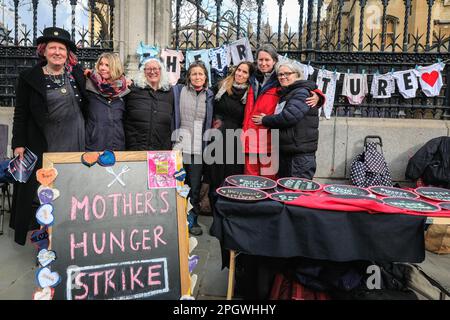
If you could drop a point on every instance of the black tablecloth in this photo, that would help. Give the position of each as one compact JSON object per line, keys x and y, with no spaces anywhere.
{"x":269,"y":228}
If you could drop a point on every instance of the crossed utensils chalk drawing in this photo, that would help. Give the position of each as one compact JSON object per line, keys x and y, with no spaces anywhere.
{"x":117,"y":177}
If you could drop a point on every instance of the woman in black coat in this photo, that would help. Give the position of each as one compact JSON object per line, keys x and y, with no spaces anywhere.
{"x":106,"y":87}
{"x":48,"y":117}
{"x":149,"y":115}
{"x":298,"y":123}
{"x":229,"y":104}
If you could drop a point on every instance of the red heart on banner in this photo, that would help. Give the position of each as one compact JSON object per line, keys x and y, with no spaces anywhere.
{"x":430,"y":78}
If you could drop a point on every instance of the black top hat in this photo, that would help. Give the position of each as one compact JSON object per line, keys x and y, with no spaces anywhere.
{"x":59,"y":35}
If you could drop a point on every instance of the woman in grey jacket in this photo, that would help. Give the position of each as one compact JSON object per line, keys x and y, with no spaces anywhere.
{"x":193,"y":117}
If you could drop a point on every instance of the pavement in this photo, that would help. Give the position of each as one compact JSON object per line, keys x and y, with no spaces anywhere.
{"x":18,"y":266}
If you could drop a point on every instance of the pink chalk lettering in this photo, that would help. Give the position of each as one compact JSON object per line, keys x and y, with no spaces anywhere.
{"x":134,"y":248}
{"x":79,"y":284}
{"x":157,"y":232}
{"x":134,"y":278}
{"x":79,"y":245}
{"x":109,"y":274}
{"x":127,"y":206}
{"x":148,"y":202}
{"x":95,"y":275}
{"x":94,"y":207}
{"x":121,"y":243}
{"x":124,"y":280}
{"x":94,"y":242}
{"x":145,"y":239}
{"x":115,"y":197}
{"x":152,"y":274}
{"x":163,"y":196}
{"x":76,"y":205}
{"x":139,"y":204}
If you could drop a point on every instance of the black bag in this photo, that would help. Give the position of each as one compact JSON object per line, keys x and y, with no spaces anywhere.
{"x":370,"y":168}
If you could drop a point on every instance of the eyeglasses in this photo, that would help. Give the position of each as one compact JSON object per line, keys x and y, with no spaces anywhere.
{"x":285,"y":75}
{"x":150,"y":70}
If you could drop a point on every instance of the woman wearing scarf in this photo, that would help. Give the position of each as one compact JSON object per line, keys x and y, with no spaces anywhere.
{"x":229,"y":104}
{"x":48,"y":117}
{"x":106,"y":87}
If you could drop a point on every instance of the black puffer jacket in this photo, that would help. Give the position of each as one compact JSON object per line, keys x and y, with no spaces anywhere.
{"x":431,"y":163}
{"x":104,"y":123}
{"x":298,"y":123}
{"x":149,"y":119}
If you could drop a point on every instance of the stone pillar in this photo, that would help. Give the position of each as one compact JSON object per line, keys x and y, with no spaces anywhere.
{"x":148,"y":21}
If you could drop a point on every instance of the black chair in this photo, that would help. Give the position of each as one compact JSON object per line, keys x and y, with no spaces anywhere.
{"x":4,"y":186}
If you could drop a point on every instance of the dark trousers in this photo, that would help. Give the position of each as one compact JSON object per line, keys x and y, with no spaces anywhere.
{"x":302,"y":165}
{"x":193,"y":165}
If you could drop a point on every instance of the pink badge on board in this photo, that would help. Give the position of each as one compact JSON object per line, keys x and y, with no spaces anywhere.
{"x":161,"y":169}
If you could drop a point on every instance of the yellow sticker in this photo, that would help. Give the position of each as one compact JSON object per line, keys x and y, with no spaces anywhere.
{"x":162,"y":167}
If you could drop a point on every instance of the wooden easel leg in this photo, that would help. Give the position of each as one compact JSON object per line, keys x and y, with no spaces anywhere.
{"x":231,"y":270}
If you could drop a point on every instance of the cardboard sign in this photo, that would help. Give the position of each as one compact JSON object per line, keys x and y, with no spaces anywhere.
{"x":437,"y":194}
{"x":340,"y":189}
{"x":393,"y":192}
{"x":299,"y":184}
{"x":252,"y":182}
{"x":287,"y":196}
{"x":242,"y":194}
{"x":161,"y":169}
{"x":411,"y":204}
{"x":113,"y":236}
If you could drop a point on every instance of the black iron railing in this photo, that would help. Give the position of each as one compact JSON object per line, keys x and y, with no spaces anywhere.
{"x":322,"y":41}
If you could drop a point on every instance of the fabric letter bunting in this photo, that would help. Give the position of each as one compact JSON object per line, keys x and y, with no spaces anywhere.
{"x":219,"y":60}
{"x":326,"y":81}
{"x":383,"y":86}
{"x":355,"y":88}
{"x":430,"y":79}
{"x":241,"y":51}
{"x":407,"y":83}
{"x":172,"y":60}
{"x":199,"y":55}
{"x":146,"y":52}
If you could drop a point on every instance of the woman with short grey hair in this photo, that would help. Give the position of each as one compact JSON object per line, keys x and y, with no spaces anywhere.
{"x":293,"y":66}
{"x":149,"y":114}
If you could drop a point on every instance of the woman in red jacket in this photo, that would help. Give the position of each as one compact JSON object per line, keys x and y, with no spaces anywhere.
{"x":262,"y":99}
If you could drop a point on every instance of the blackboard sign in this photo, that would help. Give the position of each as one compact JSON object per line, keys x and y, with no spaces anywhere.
{"x":444,"y":205}
{"x":339,"y":189}
{"x":287,"y":196}
{"x":411,"y":204}
{"x":393,"y":192}
{"x":252,"y":182}
{"x":437,"y":194}
{"x":114,"y":237}
{"x":299,"y":184}
{"x":242,"y":194}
